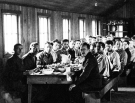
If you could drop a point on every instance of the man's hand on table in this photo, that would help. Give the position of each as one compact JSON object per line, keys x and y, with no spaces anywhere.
{"x":28,"y":72}
{"x":71,"y":87}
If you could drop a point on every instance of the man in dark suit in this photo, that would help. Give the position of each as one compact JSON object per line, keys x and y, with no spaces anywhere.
{"x":90,"y":78}
{"x":13,"y":75}
{"x":29,"y":59}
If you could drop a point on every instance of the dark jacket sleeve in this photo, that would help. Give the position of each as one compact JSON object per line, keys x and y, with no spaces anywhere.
{"x":12,"y":71}
{"x":58,"y":60}
{"x":39,"y":62}
{"x":88,"y":66}
{"x":26,"y":62}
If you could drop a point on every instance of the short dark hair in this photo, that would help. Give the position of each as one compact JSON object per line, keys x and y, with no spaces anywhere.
{"x":16,"y":45}
{"x":86,"y":44}
{"x":48,"y":43}
{"x":72,"y":40}
{"x":127,"y":41}
{"x":57,"y":41}
{"x":133,"y":38}
{"x":51,"y":43}
{"x":77,"y":40}
{"x":90,"y":36}
{"x":101,"y":44}
{"x":65,"y":40}
{"x":94,"y":37}
{"x":33,"y":44}
{"x":109,"y":42}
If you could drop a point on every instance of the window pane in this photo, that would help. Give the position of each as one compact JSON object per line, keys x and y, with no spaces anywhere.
{"x":93,"y":28}
{"x":66,"y":29}
{"x":119,"y":32}
{"x":10,"y":32}
{"x":82,"y":28}
{"x":121,"y":29}
{"x":43,"y":30}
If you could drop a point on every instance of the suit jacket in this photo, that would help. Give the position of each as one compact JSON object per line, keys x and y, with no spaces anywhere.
{"x":43,"y":59}
{"x":29,"y":61}
{"x":63,"y":51}
{"x":129,"y":55}
{"x":56,"y":56}
{"x":13,"y":74}
{"x":90,"y":79}
{"x":72,"y":53}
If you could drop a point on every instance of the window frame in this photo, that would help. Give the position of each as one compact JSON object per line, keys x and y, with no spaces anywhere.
{"x":18,"y":14}
{"x":84,"y":26}
{"x":118,"y":31}
{"x":95,"y":29}
{"x":48,"y":16}
{"x":69,"y":27}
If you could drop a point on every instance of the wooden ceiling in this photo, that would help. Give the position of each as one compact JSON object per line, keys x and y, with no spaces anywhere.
{"x":103,"y":8}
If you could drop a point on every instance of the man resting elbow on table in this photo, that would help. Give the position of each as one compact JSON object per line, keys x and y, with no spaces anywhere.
{"x":89,"y":80}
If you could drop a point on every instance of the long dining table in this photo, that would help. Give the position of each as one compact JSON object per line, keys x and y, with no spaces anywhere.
{"x":45,"y":79}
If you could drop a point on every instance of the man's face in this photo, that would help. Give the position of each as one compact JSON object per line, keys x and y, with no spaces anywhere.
{"x":89,"y":40}
{"x":104,"y":39}
{"x":109,"y":47}
{"x":133,"y":42}
{"x":47,"y":48}
{"x":118,"y":45}
{"x":72,"y":44}
{"x":35,"y":49}
{"x":125,"y":45}
{"x":18,"y":50}
{"x":65,"y":45}
{"x":84,"y":50}
{"x":77,"y":44}
{"x":56,"y":46}
{"x":98,"y":48}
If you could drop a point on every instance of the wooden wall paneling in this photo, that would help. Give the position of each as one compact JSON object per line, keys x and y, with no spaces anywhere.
{"x":52,"y":23}
{"x":58,"y":25}
{"x":74,"y":27}
{"x":25,"y":28}
{"x":29,"y":27}
{"x":123,"y":12}
{"x":29,"y":24}
{"x":36,"y":25}
{"x":89,"y":28}
{"x":87,"y":25}
{"x":1,"y":36}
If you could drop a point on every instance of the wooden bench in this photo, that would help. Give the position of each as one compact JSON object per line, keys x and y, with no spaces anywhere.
{"x":104,"y":92}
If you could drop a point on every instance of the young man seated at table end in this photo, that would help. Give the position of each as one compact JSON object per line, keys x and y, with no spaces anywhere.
{"x":89,"y":80}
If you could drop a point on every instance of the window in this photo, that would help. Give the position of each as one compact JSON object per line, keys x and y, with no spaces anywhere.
{"x":11,"y":31}
{"x":119,"y":31}
{"x":82,"y":29}
{"x":94,"y":28}
{"x":44,"y":30}
{"x":66,"y":28}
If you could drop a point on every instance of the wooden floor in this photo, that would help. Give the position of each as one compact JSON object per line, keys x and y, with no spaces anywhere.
{"x":124,"y":95}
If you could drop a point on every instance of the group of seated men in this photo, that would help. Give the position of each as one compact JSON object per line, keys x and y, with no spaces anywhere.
{"x":101,"y":58}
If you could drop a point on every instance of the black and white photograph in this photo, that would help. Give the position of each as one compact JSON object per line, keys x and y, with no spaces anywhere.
{"x":67,"y":51}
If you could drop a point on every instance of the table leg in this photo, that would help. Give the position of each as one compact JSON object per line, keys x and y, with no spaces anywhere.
{"x":29,"y":92}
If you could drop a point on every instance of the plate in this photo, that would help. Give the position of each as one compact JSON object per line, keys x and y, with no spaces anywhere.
{"x":57,"y":73}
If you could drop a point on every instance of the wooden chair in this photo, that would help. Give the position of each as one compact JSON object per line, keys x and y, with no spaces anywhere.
{"x":105,"y":92}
